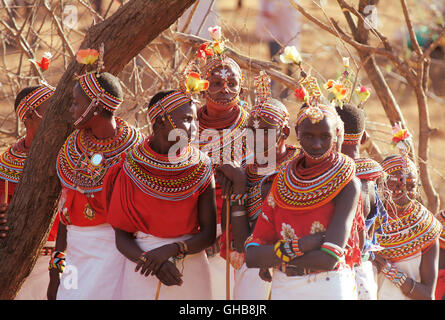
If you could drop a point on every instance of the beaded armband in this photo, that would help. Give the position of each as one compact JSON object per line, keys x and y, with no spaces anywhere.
{"x":238,"y":199}
{"x":182,"y":250}
{"x":57,"y":261}
{"x":279,"y":253}
{"x":397,"y":277}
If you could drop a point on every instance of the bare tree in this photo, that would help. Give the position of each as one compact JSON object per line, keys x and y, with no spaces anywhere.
{"x":124,"y":34}
{"x":414,"y":69}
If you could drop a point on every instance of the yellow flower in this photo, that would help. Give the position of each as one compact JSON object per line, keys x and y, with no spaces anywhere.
{"x":218,"y":47}
{"x":194,"y":83}
{"x":290,"y":55}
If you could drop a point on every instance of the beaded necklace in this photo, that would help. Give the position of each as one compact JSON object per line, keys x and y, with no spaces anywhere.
{"x":441,"y":218}
{"x":255,"y":181}
{"x":368,"y":169}
{"x":12,"y":161}
{"x":230,"y":130}
{"x":414,"y":230}
{"x":158,"y":176}
{"x":75,"y":167}
{"x":299,"y":188}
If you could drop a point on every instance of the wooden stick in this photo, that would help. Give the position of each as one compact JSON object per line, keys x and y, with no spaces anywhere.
{"x":6,"y":191}
{"x":158,"y":290}
{"x":227,"y":250}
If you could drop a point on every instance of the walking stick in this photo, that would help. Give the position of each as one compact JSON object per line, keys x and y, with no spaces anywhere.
{"x":158,"y":290}
{"x":6,"y":191}
{"x":227,"y":249}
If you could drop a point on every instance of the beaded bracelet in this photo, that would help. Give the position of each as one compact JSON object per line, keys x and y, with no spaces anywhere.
{"x":286,"y":249}
{"x":142,"y":257}
{"x":394,"y":275}
{"x":279,"y":253}
{"x":333,"y":250}
{"x":57,"y":261}
{"x":295,"y":243}
{"x":238,"y":199}
{"x":182,"y":249}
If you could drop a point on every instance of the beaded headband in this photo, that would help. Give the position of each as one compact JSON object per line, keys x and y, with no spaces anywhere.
{"x":353,"y":138}
{"x":96,"y":93}
{"x":168,"y":104}
{"x":398,"y":163}
{"x":33,"y":100}
{"x":263,"y":108}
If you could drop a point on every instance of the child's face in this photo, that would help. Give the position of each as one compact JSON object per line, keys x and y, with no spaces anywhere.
{"x":402,"y":186}
{"x":317,"y":138}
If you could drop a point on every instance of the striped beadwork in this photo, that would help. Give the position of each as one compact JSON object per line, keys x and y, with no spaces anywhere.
{"x":167,"y":104}
{"x":297,"y":193}
{"x":441,"y":218}
{"x":227,"y":143}
{"x":93,"y":90}
{"x":157,"y":176}
{"x":402,"y":237}
{"x":74,"y":166}
{"x":12,"y":162}
{"x":255,"y":181}
{"x":368,"y":169}
{"x":33,"y":100}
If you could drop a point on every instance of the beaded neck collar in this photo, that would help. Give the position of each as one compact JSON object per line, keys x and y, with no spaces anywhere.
{"x":12,"y":161}
{"x":157,"y":176}
{"x":75,"y":167}
{"x":404,"y":236}
{"x":300,"y":188}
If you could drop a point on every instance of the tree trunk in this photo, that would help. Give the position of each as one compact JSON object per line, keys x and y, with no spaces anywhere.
{"x":32,"y":208}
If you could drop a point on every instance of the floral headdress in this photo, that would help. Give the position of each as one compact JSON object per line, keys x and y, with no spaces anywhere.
{"x":90,"y":84}
{"x":315,"y":107}
{"x":401,"y":140}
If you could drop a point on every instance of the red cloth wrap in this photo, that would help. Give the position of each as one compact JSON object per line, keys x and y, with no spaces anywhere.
{"x":440,"y":286}
{"x":132,"y":210}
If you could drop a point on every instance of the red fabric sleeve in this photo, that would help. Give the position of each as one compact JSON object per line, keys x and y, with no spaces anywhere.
{"x":265,"y":231}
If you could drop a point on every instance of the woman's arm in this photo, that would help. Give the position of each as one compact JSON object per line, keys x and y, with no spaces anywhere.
{"x":338,"y":233}
{"x":425,"y":289}
{"x":54,"y":274}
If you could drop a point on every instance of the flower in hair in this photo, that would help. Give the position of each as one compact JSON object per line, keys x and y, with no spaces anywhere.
{"x":87,"y":56}
{"x":44,"y":62}
{"x":301,"y":93}
{"x":363,"y":93}
{"x":291,"y":55}
{"x":399,"y":134}
{"x":218,"y":47}
{"x":215,"y":33}
{"x":194,"y":83}
{"x":204,"y":51}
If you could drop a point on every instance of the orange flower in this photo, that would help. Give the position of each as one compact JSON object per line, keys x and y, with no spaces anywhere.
{"x":87,"y":56}
{"x":204,"y":51}
{"x":194,"y":83}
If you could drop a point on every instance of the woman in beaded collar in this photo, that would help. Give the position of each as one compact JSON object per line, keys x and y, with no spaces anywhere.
{"x":161,"y":203}
{"x":408,"y":262}
{"x":312,"y":229}
{"x":95,"y":146}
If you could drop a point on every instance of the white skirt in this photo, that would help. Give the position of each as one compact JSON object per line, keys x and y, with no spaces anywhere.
{"x":330,"y":285}
{"x":93,"y":265}
{"x":387,"y":290}
{"x":249,"y":286}
{"x":195,"y":269}
{"x":36,"y":284}
{"x":365,"y":276}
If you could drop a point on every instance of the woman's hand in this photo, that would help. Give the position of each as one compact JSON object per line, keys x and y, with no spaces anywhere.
{"x":169,"y":275}
{"x":155,"y":258}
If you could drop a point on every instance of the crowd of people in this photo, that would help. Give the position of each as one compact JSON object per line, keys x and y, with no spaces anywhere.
{"x":151,"y":217}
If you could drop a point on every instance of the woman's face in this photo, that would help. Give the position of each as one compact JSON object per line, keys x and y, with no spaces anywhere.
{"x":403,"y":187}
{"x":224,"y":84}
{"x":184,"y":119}
{"x":317,"y":139}
{"x":79,"y":105}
